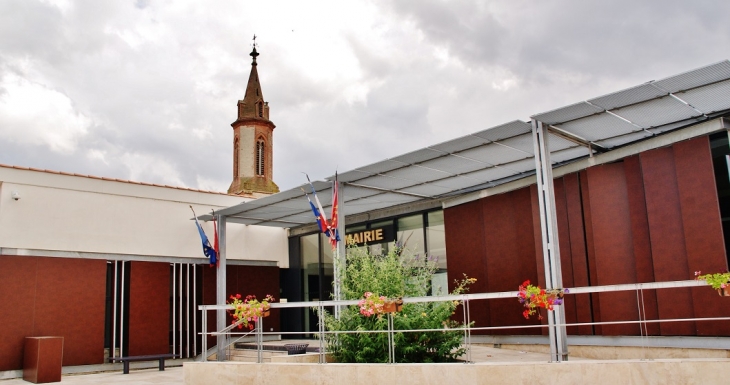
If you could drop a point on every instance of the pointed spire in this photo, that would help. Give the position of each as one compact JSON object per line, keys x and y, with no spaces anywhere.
{"x":253,"y":104}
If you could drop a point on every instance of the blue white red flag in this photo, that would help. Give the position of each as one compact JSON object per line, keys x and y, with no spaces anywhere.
{"x":215,"y":243}
{"x":318,"y":211}
{"x":317,"y":216}
{"x":334,"y":233}
{"x":209,"y":251}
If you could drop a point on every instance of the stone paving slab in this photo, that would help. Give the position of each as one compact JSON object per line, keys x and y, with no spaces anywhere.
{"x":174,"y":375}
{"x":170,"y":376}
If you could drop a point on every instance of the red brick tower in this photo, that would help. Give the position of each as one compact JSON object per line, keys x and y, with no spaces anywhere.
{"x":253,"y":141}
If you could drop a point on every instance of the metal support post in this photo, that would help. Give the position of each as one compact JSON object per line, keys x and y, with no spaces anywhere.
{"x":391,"y":342}
{"x":220,"y":295}
{"x":259,"y":340}
{"x":467,"y":328}
{"x":549,"y":232}
{"x":320,"y":325}
{"x":204,"y":334}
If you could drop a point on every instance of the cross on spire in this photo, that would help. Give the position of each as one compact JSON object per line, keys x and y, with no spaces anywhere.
{"x":254,"y":53}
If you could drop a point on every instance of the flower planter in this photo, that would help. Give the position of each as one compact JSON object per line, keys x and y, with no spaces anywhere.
{"x":533,"y":298}
{"x":393,"y":306}
{"x":724,"y":292}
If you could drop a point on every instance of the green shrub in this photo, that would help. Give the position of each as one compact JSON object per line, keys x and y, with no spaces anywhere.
{"x":394,"y":275}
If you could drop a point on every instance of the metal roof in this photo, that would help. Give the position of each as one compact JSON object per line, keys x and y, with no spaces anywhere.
{"x":506,"y":152}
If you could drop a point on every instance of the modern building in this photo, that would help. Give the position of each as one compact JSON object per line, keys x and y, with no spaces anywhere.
{"x":641,"y":194}
{"x":110,"y":263}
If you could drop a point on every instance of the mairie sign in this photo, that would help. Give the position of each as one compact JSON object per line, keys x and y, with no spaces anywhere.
{"x":372,"y":236}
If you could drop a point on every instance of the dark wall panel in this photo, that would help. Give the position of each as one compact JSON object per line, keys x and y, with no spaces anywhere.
{"x":667,"y":239}
{"x":510,"y":255}
{"x":640,"y":240}
{"x":71,"y":301}
{"x":465,"y":243}
{"x":149,"y":308}
{"x":208,"y":298}
{"x":259,"y":281}
{"x":52,"y":297}
{"x":590,"y":248}
{"x":244,"y":280}
{"x":578,"y":256}
{"x":17,"y":303}
{"x":702,"y":228}
{"x":612,"y":241}
{"x":537,"y":237}
{"x":566,"y":257}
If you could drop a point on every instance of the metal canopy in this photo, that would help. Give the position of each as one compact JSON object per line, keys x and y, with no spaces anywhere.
{"x":506,"y":152}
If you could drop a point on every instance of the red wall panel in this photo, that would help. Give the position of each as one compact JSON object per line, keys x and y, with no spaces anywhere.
{"x":17,"y":305}
{"x":650,"y":217}
{"x":244,"y":280}
{"x":259,"y":281}
{"x":70,"y":302}
{"x":510,"y":254}
{"x":667,"y":239}
{"x":52,"y":297}
{"x":612,"y":242}
{"x":640,"y":238}
{"x":208,"y":289}
{"x":465,"y":243}
{"x":702,"y":228}
{"x":566,"y":258}
{"x":590,"y":248}
{"x":149,"y":308}
{"x":537,"y":237}
{"x":578,"y":255}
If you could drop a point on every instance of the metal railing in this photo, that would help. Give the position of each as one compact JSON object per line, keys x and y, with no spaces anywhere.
{"x":465,"y":300}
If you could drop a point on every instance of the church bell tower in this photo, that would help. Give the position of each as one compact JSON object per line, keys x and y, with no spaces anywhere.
{"x":253,"y":141}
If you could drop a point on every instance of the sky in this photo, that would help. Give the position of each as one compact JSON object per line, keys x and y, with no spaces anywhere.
{"x":147,"y":90}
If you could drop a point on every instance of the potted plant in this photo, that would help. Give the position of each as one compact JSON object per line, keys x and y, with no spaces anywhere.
{"x":718,"y":281}
{"x":374,"y":304}
{"x":249,"y":310}
{"x":533,"y":298}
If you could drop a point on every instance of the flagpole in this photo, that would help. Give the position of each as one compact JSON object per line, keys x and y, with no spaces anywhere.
{"x":341,"y":244}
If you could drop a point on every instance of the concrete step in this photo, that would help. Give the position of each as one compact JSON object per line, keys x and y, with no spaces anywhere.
{"x":249,"y":355}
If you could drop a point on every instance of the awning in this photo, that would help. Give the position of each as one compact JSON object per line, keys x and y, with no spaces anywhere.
{"x":506,"y":152}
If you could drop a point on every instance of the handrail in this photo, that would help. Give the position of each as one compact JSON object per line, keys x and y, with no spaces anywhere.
{"x":228,"y":343}
{"x":464,"y":299}
{"x":493,"y":295}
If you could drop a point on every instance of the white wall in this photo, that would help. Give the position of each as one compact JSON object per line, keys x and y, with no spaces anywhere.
{"x":66,"y":213}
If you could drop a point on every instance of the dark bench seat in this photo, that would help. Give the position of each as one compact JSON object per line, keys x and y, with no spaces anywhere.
{"x":151,"y":357}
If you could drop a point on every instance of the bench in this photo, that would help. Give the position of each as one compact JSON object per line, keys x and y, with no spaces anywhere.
{"x":151,"y":357}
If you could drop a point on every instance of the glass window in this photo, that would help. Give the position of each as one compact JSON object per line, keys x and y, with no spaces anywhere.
{"x":328,"y":268}
{"x":436,"y":237}
{"x":380,"y":248}
{"x":410,"y":234}
{"x":310,"y":276}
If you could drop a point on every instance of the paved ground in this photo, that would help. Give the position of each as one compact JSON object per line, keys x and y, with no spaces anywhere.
{"x":174,"y":375}
{"x":169,"y":376}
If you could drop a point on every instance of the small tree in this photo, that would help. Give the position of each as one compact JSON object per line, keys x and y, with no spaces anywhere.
{"x":394,"y":275}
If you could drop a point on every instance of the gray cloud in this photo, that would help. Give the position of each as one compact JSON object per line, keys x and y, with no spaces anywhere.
{"x":147,"y":90}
